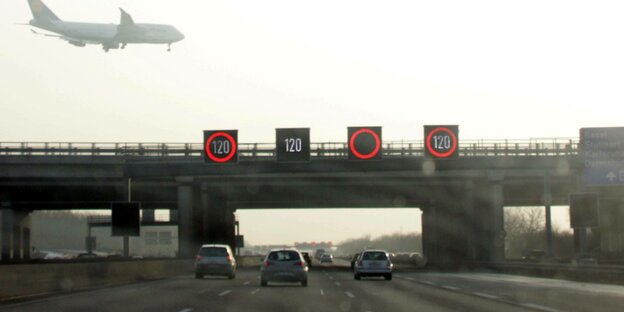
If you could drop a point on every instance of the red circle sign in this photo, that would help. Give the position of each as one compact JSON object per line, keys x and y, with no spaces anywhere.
{"x":369,"y":155}
{"x":447,"y":153}
{"x":220,"y":159}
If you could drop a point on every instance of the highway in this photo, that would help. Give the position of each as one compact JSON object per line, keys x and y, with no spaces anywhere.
{"x":334,"y":289}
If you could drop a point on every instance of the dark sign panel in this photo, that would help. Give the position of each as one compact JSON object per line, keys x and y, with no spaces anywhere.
{"x":584,"y":210}
{"x":442,"y":142}
{"x":221,"y":146}
{"x":364,"y":143}
{"x":293,"y":144}
{"x":602,"y":150}
{"x":125,"y":219}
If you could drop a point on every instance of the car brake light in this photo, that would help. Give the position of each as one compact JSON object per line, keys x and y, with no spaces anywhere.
{"x":229,"y":258}
{"x":267,"y":263}
{"x":301,"y":264}
{"x":199,"y":258}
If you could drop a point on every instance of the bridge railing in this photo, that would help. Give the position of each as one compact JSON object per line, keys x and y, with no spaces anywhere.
{"x":392,"y":149}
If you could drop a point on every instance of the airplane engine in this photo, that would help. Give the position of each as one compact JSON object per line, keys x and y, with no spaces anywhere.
{"x":108,"y":46}
{"x":77,"y":43}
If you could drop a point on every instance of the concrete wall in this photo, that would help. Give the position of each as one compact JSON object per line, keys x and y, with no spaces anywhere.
{"x":25,"y":280}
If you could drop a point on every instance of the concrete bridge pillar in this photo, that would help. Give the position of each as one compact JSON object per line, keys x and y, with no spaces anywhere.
{"x":186,"y":194}
{"x":15,"y":242}
{"x":489,"y":220}
{"x":448,"y":232}
{"x":217,"y":218}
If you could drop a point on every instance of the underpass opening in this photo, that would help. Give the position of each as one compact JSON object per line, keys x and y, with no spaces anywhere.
{"x":71,"y":234}
{"x":526,"y":234}
{"x":340,"y":231}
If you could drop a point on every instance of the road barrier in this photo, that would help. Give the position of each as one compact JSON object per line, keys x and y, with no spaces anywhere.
{"x":30,"y":280}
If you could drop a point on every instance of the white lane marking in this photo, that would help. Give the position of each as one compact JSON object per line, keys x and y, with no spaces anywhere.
{"x":449,"y":287}
{"x":255,"y":291}
{"x":258,"y":277}
{"x":322,"y":293}
{"x":203,"y":291}
{"x":539,"y":307}
{"x":350,"y":294}
{"x":225,"y":293}
{"x":331,"y":277}
{"x":338,"y":284}
{"x":410,"y":279}
{"x":247,"y":283}
{"x":484,"y":295}
{"x":428,"y":283}
{"x":186,"y":310}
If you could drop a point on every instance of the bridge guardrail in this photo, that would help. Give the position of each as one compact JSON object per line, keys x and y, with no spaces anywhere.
{"x":392,"y":149}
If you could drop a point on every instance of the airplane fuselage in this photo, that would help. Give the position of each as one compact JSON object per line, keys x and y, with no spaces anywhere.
{"x":112,"y":33}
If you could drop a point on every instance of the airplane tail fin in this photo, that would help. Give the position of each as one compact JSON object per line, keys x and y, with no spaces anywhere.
{"x":41,"y":12}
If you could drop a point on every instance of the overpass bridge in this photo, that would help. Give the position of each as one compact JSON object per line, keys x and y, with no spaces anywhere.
{"x":462,"y":199}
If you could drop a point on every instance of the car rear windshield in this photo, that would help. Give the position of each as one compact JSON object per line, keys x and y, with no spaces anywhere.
{"x":285,"y":255}
{"x":213,"y":252}
{"x":374,"y":256}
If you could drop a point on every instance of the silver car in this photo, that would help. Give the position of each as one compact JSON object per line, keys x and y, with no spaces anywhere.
{"x":215,"y":260}
{"x":373,"y":263}
{"x":285,"y":265}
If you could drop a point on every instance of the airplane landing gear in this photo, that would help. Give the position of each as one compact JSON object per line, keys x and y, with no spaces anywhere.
{"x":123,"y":45}
{"x":169,"y":47}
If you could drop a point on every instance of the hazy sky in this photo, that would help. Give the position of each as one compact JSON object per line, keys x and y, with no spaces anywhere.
{"x":499,"y":69}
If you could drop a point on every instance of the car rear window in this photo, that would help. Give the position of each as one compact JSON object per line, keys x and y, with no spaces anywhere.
{"x":374,"y":256}
{"x":284,"y":255}
{"x":213,"y":252}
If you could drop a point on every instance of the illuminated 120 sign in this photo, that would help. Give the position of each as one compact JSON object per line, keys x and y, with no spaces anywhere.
{"x":364,"y":143}
{"x":441,"y":141}
{"x":292,"y":144}
{"x":221,"y":146}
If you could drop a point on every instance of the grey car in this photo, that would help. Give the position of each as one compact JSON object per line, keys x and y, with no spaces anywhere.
{"x":285,"y":265}
{"x":215,"y":260}
{"x":373,"y":263}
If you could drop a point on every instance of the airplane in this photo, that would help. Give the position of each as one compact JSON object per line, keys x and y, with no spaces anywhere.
{"x":110,"y":36}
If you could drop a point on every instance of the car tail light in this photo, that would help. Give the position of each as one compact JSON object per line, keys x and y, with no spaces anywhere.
{"x":360,"y":263}
{"x":229,"y":258}
{"x":301,"y":264}
{"x":198,"y":258}
{"x":267,"y":263}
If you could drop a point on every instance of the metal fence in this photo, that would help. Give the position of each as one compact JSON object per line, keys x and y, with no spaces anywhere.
{"x":531,"y":147}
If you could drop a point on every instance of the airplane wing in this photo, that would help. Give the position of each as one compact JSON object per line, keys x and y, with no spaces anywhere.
{"x":74,"y":41}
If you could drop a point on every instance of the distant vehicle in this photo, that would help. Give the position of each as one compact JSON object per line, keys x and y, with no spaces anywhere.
{"x":327,"y":258}
{"x":535,"y":255}
{"x":284,"y":265}
{"x":373,"y":263}
{"x":306,"y":257}
{"x":319,"y":253}
{"x":87,"y":256}
{"x":110,"y":36}
{"x":354,"y":259}
{"x":215,"y":259}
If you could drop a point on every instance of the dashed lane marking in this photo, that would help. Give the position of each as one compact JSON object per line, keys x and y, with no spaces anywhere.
{"x":450,"y":287}
{"x":255,"y":291}
{"x":484,"y":295}
{"x":338,"y":284}
{"x":225,"y":293}
{"x":428,"y":283}
{"x":322,"y":293}
{"x":247,"y":283}
{"x":539,"y":307}
{"x":350,"y":294}
{"x":186,"y":310}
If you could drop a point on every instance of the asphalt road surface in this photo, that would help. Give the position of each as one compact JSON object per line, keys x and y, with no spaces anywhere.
{"x":333,"y":289}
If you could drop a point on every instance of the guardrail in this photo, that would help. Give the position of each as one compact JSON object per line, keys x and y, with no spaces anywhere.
{"x":531,"y":147}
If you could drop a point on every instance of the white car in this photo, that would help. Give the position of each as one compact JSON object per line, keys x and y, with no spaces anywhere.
{"x":373,"y":263}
